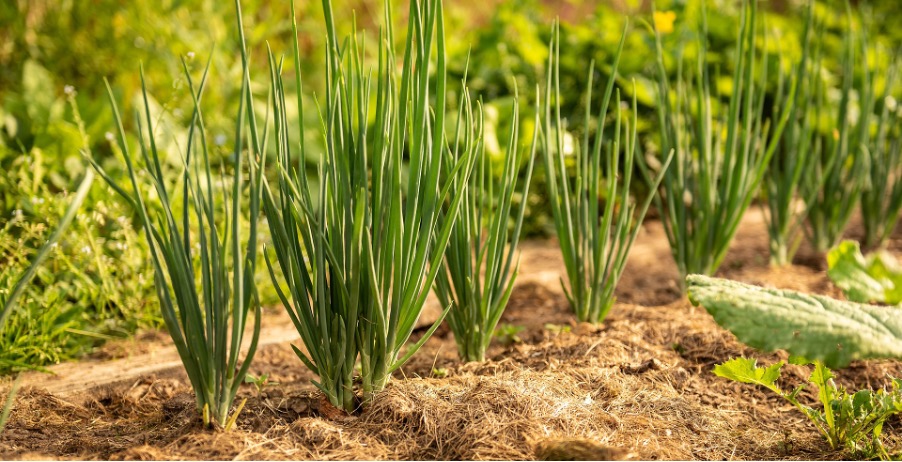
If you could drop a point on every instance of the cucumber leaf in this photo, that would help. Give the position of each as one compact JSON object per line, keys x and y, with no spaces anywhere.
{"x":875,"y":278}
{"x":816,"y":327}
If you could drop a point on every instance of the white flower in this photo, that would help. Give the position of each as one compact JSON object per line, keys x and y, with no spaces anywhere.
{"x":86,"y":250}
{"x":190,"y":55}
{"x":37,"y":200}
{"x":17,"y":214}
{"x":110,"y":136}
{"x":69,"y":90}
{"x":219,"y":139}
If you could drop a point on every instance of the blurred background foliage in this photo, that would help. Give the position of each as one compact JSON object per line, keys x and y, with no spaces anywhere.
{"x":98,"y":285}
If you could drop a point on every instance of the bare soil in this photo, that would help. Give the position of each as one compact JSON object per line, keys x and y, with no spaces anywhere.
{"x":639,"y":386}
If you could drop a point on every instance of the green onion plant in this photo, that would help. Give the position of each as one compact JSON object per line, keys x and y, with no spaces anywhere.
{"x":205,"y":286}
{"x":721,"y":150}
{"x":835,"y":184}
{"x":480,"y":272}
{"x":881,"y":200}
{"x":595,"y":239}
{"x":794,"y":158}
{"x":360,"y":253}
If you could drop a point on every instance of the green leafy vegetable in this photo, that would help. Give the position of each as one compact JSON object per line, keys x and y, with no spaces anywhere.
{"x":854,"y":421}
{"x":815,"y":327}
{"x":875,"y":278}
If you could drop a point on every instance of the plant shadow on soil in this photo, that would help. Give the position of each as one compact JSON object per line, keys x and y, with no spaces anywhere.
{"x":638,"y":386}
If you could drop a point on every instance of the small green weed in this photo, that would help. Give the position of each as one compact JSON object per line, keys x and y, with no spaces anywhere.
{"x":853,"y":421}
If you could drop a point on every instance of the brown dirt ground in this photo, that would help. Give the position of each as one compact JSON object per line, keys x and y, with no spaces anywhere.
{"x":637,"y":387}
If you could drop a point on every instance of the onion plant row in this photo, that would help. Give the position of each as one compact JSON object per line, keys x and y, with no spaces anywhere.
{"x":720,"y":156}
{"x":479,"y":269}
{"x":595,"y":239}
{"x":834,"y":153}
{"x":360,"y":254}
{"x":205,"y":286}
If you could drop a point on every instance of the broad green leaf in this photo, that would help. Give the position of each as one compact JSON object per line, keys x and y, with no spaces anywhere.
{"x":875,"y":278}
{"x":745,"y":370}
{"x":816,"y":327}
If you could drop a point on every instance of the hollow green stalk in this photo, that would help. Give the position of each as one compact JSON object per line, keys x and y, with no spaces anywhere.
{"x":794,"y":157}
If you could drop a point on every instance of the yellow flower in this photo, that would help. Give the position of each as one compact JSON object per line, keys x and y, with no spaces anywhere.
{"x":664,"y":21}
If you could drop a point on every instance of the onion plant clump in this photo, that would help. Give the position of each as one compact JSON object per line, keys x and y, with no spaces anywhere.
{"x":205,"y":286}
{"x":721,"y":150}
{"x":595,"y":239}
{"x":360,"y":253}
{"x":881,"y":199}
{"x":794,"y":157}
{"x":840,"y":175}
{"x":480,"y":272}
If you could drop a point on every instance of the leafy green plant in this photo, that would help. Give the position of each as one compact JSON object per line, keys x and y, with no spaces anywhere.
{"x":836,"y":182}
{"x":9,"y":301}
{"x":360,"y":258}
{"x":847,"y":420}
{"x":260,"y":382}
{"x":720,"y":156}
{"x":205,"y":288}
{"x":594,"y":240}
{"x":875,"y":278}
{"x":479,"y":270}
{"x":812,"y":326}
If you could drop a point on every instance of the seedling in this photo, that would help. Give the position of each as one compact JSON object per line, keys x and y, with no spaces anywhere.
{"x":260,"y":382}
{"x":506,"y":334}
{"x":853,"y":421}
